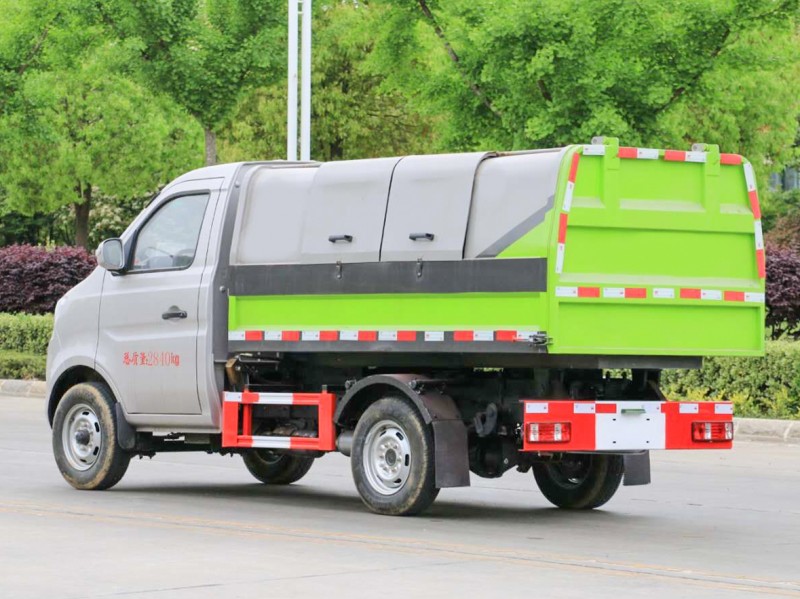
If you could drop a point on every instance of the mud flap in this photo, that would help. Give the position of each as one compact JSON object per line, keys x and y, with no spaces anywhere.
{"x":637,"y":469}
{"x":451,"y":455}
{"x":126,"y":435}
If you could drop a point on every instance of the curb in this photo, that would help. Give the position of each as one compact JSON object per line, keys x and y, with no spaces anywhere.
{"x":23,"y":388}
{"x":751,"y":429}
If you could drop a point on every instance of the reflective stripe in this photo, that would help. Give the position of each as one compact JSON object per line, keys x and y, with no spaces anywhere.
{"x":695,"y":157}
{"x":663,"y":293}
{"x":749,"y":176}
{"x":647,"y":153}
{"x":594,"y":150}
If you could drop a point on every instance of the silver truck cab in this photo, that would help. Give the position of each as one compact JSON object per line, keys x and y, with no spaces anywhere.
{"x":147,"y":333}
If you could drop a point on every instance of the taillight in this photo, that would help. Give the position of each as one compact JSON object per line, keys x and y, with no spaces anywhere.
{"x":549,"y":432}
{"x":712,"y":431}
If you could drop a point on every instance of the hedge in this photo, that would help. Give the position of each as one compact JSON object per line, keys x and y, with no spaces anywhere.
{"x":766,"y":387}
{"x":33,"y":278}
{"x":15,"y":365}
{"x":25,"y":333}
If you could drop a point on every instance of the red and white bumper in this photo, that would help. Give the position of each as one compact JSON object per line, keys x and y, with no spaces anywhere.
{"x":626,"y":425}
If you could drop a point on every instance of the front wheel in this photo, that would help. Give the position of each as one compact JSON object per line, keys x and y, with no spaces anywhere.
{"x":273,"y":468}
{"x":579,"y":481}
{"x":393,"y":459}
{"x":85,"y":438}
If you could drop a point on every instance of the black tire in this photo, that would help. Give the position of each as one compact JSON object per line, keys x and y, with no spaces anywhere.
{"x":87,"y":413}
{"x":580,"y":481}
{"x":394,"y":423}
{"x":273,"y":468}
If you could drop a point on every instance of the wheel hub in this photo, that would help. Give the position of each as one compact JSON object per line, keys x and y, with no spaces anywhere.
{"x":82,"y":437}
{"x":387,"y":457}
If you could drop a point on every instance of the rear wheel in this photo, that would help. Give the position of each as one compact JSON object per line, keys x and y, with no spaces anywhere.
{"x":273,"y":468}
{"x":85,"y":438}
{"x":393,"y":459}
{"x":580,"y":481}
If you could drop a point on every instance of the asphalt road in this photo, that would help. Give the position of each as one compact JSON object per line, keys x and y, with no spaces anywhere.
{"x":713,"y":524}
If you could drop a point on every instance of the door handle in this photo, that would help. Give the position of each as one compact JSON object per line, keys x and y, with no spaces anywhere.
{"x":174,"y":312}
{"x":420,"y":236}
{"x":335,"y":238}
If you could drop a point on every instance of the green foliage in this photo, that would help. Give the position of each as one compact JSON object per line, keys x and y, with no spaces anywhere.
{"x":353,"y":115}
{"x":766,"y":386}
{"x":203,"y":54}
{"x":25,"y":333}
{"x":544,"y":73}
{"x":14,"y":365}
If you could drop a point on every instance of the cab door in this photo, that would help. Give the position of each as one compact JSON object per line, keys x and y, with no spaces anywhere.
{"x":149,"y":314}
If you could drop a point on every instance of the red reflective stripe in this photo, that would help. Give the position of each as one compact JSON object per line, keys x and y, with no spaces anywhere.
{"x":573,"y":169}
{"x":406,"y":335}
{"x":253,"y":335}
{"x":463,"y":336}
{"x":690,"y":294}
{"x":627,"y":153}
{"x":605,"y":408}
{"x":730,"y":159}
{"x":249,"y":397}
{"x":329,"y":335}
{"x":368,"y":335}
{"x":635,"y":292}
{"x":761,"y":263}
{"x":588,"y":292}
{"x":734,"y":296}
{"x":756,"y":207}
{"x":290,"y":336}
{"x":506,"y":335}
{"x":675,"y":155}
{"x":562,"y":227}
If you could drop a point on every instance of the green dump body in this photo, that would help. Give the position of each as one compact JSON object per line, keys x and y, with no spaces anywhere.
{"x":647,"y":253}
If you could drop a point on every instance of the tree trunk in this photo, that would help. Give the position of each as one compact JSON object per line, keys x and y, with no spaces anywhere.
{"x":82,"y":210}
{"x":211,"y":147}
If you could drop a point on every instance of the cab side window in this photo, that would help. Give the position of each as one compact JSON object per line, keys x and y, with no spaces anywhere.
{"x":168,"y":240}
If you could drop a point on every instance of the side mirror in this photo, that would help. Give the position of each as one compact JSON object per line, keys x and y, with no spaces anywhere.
{"x":110,"y":255}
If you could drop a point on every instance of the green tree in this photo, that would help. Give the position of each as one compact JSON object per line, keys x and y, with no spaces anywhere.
{"x":204,"y":54}
{"x":537,"y":73}
{"x":353,"y":114}
{"x":78,"y":132}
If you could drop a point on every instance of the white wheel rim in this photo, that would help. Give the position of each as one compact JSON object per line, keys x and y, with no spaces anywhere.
{"x":387,"y":457}
{"x":81,"y":437}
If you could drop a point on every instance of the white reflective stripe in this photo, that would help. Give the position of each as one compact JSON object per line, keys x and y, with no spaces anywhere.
{"x":560,"y":260}
{"x":568,"y":196}
{"x":688,"y":408}
{"x":695,"y":157}
{"x":754,"y":297}
{"x":583,"y":408}
{"x":483,"y":335}
{"x":526,"y":335}
{"x":615,"y":292}
{"x":710,"y":294}
{"x":566,"y":292}
{"x":272,"y":442}
{"x":434,"y":335}
{"x":663,"y":293}
{"x":749,"y":176}
{"x":647,"y":153}
{"x":235,"y":335}
{"x":723,"y":408}
{"x":387,"y":335}
{"x":539,"y":407}
{"x":348,"y":335}
{"x":273,"y":335}
{"x":309,"y":335}
{"x":594,"y":150}
{"x":233,"y":397}
{"x":759,"y":235}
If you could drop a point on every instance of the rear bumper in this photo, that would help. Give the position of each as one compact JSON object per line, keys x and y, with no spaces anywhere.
{"x":624,"y":425}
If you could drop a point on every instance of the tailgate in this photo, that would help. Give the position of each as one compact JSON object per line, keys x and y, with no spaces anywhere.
{"x":656,"y":252}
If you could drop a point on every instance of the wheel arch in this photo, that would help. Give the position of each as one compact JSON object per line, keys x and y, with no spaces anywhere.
{"x":70,"y":377}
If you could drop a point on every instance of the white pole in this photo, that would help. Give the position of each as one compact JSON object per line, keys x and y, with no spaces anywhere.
{"x":291,"y":102}
{"x":305,"y":83}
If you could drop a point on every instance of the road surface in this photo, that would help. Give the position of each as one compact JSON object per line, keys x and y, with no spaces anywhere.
{"x":713,"y":524}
